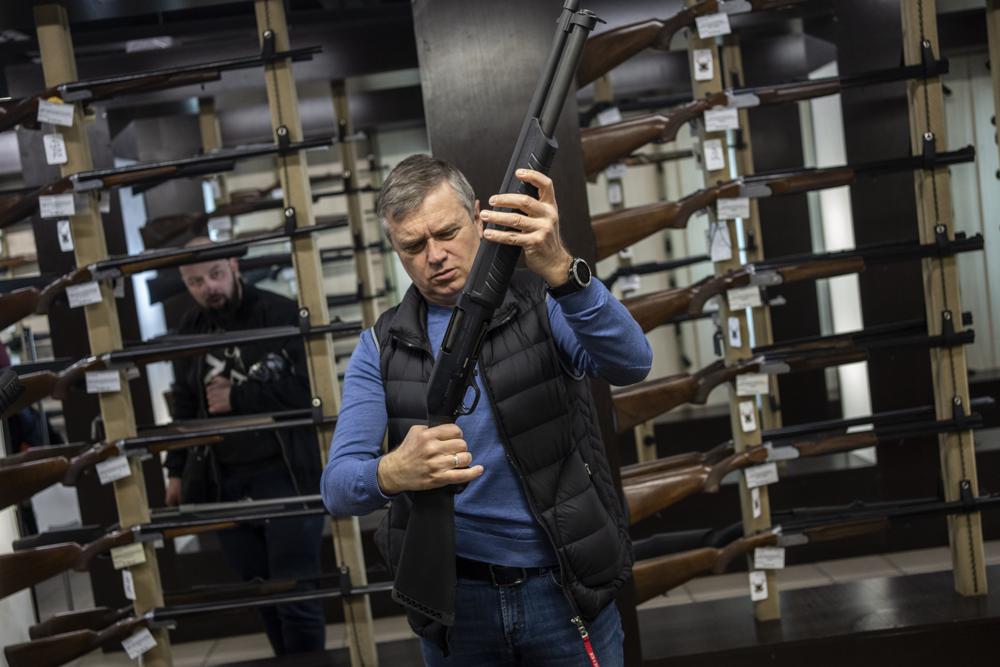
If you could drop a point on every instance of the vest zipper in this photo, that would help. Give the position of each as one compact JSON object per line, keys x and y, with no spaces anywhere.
{"x":585,"y":636}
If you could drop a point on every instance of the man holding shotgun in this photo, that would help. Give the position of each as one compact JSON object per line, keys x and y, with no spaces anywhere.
{"x":536,"y":579}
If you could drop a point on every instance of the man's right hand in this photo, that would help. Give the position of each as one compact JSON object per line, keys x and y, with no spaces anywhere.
{"x":173,"y":491}
{"x":428,"y":458}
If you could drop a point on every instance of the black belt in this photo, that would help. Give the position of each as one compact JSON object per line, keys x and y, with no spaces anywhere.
{"x":498,"y":575}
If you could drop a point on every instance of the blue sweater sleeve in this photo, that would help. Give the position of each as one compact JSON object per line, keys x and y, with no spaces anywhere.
{"x":349,"y":484}
{"x":598,"y":336}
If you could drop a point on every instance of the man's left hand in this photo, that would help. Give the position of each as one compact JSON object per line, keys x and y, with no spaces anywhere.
{"x":217,"y":395}
{"x":534,"y":226}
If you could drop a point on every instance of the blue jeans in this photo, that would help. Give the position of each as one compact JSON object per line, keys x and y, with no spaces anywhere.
{"x":527,"y":624}
{"x":282,"y":549}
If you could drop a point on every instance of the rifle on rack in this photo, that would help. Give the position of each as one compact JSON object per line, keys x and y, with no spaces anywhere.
{"x":425,"y":578}
{"x":653,"y":310}
{"x":616,"y":230}
{"x":607,"y":144}
{"x":654,"y":492}
{"x":641,"y":402}
{"x":611,"y":48}
{"x":658,"y":575}
{"x":58,"y":384}
{"x":19,"y":481}
{"x":24,"y":111}
{"x":17,"y":261}
{"x":647,"y":268}
{"x":26,"y":301}
{"x":141,"y":177}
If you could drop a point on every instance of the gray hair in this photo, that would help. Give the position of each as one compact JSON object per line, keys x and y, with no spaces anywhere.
{"x":411,"y":180}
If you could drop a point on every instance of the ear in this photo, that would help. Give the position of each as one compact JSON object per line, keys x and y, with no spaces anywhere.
{"x":234,"y":265}
{"x":477,"y":220}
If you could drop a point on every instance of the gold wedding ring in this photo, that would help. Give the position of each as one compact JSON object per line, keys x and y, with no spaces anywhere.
{"x":455,"y":457}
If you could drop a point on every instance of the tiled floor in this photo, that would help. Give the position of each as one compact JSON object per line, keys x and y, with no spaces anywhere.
{"x":51,"y":597}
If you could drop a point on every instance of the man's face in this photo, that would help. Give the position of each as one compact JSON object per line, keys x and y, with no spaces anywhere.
{"x":437,"y":244}
{"x":213,"y":285}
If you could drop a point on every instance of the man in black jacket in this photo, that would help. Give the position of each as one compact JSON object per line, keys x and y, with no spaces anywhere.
{"x":249,"y":379}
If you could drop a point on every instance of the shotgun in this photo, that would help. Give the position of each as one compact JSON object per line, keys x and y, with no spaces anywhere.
{"x":24,"y":111}
{"x":18,"y":205}
{"x":425,"y":578}
{"x":607,"y":144}
{"x":616,"y":230}
{"x":658,"y":308}
{"x":611,"y":48}
{"x":58,"y":384}
{"x":647,"y":268}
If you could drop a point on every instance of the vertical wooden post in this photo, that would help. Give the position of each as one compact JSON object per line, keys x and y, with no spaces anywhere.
{"x":211,"y":139}
{"x":993,"y":40}
{"x":754,"y":504}
{"x":284,"y":103}
{"x":942,"y":298}
{"x":59,"y":66}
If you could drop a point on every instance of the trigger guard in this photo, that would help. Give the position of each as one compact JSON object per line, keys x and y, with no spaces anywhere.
{"x":475,"y":401}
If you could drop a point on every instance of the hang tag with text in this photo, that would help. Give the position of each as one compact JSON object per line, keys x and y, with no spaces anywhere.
{"x":103,"y":382}
{"x":65,"y":235}
{"x":751,"y":384}
{"x":140,"y":642}
{"x":735,"y":333}
{"x":128,"y":585}
{"x":755,"y":507}
{"x":113,"y":469}
{"x":715,"y":159}
{"x":713,"y":25}
{"x":615,"y":194}
{"x":730,"y":208}
{"x":104,"y":203}
{"x":56,"y":113}
{"x":758,"y":586}
{"x":617,"y":170}
{"x":743,"y":297}
{"x":722,"y":119}
{"x":769,"y":558}
{"x":84,"y":294}
{"x":720,"y":244}
{"x":762,"y":475}
{"x":56,"y":206}
{"x":609,"y":116}
{"x":704,"y":65}
{"x":748,"y":416}
{"x":128,"y":555}
{"x":55,"y":148}
{"x":630,"y":283}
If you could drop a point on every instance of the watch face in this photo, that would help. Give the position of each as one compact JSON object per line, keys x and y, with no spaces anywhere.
{"x":581,"y":272}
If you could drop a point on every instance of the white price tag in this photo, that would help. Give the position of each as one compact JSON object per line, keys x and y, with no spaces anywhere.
{"x":762,"y":475}
{"x":128,"y":585}
{"x":730,"y":208}
{"x":713,"y":25}
{"x":140,"y":642}
{"x":56,"y":113}
{"x":722,"y":119}
{"x":113,"y":469}
{"x":744,"y":297}
{"x":84,"y":294}
{"x":216,"y":188}
{"x":617,"y":170}
{"x":755,"y":507}
{"x":220,"y":229}
{"x":758,"y":586}
{"x":55,"y":148}
{"x":615,"y":194}
{"x":748,"y":416}
{"x":769,"y":558}
{"x":104,"y":202}
{"x":715,"y":158}
{"x":609,"y":116}
{"x":735,"y":332}
{"x":630,"y":283}
{"x":751,"y":384}
{"x":704,"y":67}
{"x":103,"y":382}
{"x":118,"y":287}
{"x":65,"y":235}
{"x":56,"y":206}
{"x":128,"y":555}
{"x":720,"y":244}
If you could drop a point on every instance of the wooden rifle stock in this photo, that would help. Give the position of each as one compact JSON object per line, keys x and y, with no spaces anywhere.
{"x":15,"y":207}
{"x":635,"y":471}
{"x":611,"y":48}
{"x":603,"y":146}
{"x":17,"y":261}
{"x":60,"y":649}
{"x":95,"y":619}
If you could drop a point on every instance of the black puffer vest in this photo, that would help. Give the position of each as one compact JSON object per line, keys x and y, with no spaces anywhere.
{"x":548,"y":424}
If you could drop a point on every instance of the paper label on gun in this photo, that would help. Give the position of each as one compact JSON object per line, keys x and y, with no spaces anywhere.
{"x":720,"y":244}
{"x":762,"y":475}
{"x":128,"y":555}
{"x":84,"y":294}
{"x":617,"y":170}
{"x":744,"y":297}
{"x":128,"y":585}
{"x":713,"y":25}
{"x":140,"y":642}
{"x":113,"y":469}
{"x":56,"y":206}
{"x":758,"y":586}
{"x":615,"y":195}
{"x":704,"y":67}
{"x":730,"y":208}
{"x":104,"y":202}
{"x":65,"y":235}
{"x":722,"y":119}
{"x":769,"y":558}
{"x":55,"y":148}
{"x":103,"y":382}
{"x":56,"y":113}
{"x":748,"y":416}
{"x":715,"y":159}
{"x":609,"y":116}
{"x":751,"y":384}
